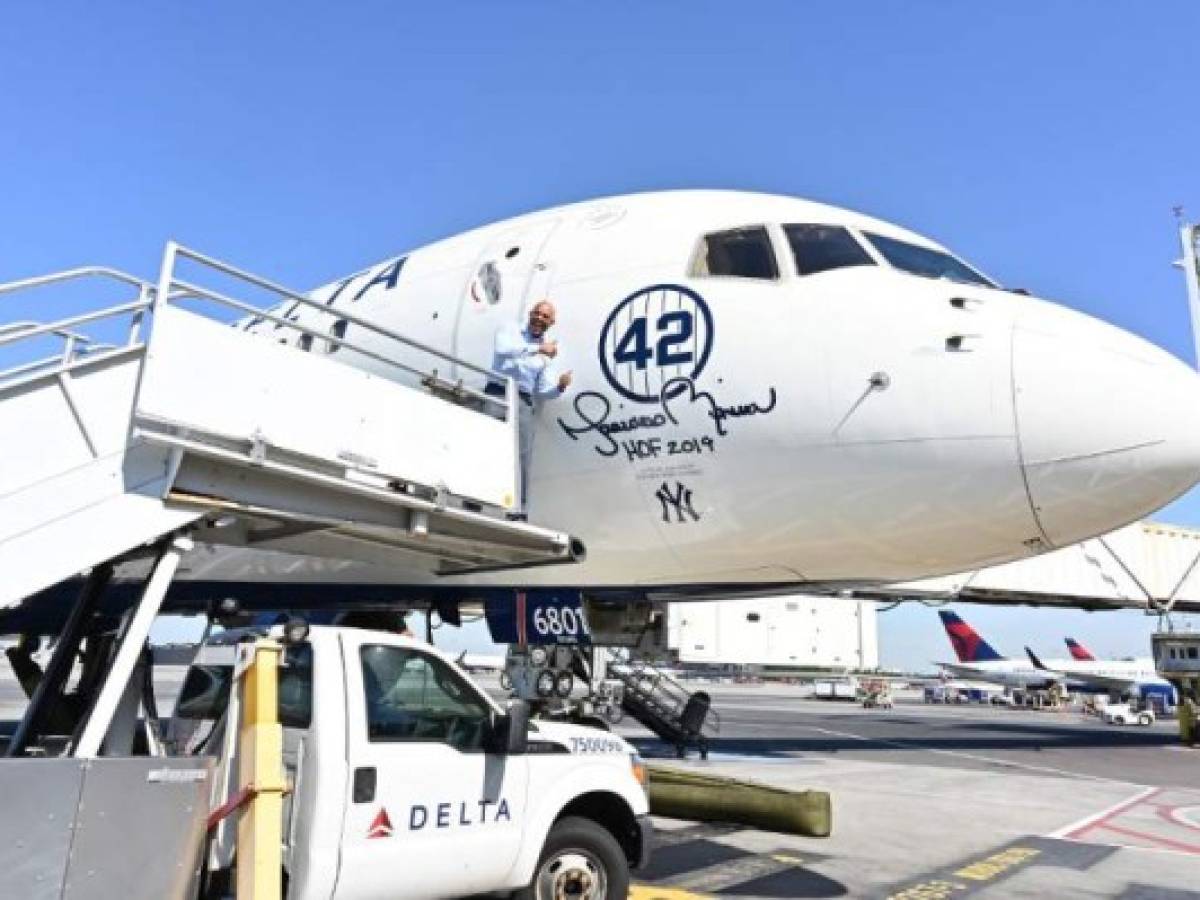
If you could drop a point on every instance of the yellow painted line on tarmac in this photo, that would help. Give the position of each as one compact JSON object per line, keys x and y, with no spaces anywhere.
{"x":969,"y":878}
{"x":997,"y":864}
{"x":655,"y":892}
{"x":787,"y":860}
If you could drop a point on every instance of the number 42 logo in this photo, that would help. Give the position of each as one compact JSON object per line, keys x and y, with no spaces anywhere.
{"x":654,"y":335}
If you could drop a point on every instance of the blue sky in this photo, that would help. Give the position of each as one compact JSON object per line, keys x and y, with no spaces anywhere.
{"x":1046,"y":142}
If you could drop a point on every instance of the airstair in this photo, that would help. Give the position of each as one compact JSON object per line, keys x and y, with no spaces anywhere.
{"x":682,"y":718}
{"x":155,"y":416}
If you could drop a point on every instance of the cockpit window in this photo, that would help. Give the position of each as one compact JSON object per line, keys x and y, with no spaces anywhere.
{"x":819,"y":248}
{"x":924,"y":261}
{"x":740,"y":253}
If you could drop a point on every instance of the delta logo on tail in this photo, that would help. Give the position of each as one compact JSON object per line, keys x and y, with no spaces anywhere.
{"x":969,"y":646}
{"x":1078,"y":651}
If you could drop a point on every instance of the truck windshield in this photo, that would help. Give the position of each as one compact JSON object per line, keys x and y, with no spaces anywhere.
{"x":925,"y":261}
{"x":205,"y":691}
{"x":413,"y":696}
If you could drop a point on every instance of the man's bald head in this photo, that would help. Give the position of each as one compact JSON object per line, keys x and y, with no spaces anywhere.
{"x":541,"y":318}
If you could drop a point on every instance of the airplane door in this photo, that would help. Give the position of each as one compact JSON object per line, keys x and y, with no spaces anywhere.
{"x":429,"y":814}
{"x":508,"y":277}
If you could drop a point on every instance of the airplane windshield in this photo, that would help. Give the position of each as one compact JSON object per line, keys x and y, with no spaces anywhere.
{"x":926,"y":262}
{"x":820,"y":248}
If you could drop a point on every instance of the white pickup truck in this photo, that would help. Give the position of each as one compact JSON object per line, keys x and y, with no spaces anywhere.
{"x":410,"y":782}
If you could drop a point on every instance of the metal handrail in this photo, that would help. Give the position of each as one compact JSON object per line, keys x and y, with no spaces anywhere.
{"x":53,"y":366}
{"x":82,"y":319}
{"x":174,"y":250}
{"x":71,"y":275}
{"x":22,"y":327}
{"x":77,"y":347}
{"x":660,"y":688}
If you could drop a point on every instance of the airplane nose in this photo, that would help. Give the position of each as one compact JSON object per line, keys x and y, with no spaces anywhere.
{"x":1108,"y":424}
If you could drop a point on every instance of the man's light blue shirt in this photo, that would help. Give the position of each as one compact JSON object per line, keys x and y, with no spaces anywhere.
{"x":516,"y":355}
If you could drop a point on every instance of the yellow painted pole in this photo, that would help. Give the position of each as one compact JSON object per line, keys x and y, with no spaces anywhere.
{"x":260,"y":771}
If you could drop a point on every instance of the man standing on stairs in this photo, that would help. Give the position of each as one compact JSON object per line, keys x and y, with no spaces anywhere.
{"x":533,"y":359}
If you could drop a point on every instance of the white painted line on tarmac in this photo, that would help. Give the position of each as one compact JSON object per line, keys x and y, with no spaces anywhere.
{"x":929,"y":712}
{"x":975,"y":757}
{"x":1186,"y":816}
{"x":1088,"y":821}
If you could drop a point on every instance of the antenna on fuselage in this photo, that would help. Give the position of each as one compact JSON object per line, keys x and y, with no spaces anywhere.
{"x":1189,"y":235}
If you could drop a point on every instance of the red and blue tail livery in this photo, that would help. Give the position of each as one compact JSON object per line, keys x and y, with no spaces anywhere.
{"x":969,"y":646}
{"x":1078,"y":651}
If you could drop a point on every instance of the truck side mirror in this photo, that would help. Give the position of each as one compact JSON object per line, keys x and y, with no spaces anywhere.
{"x":510,"y":732}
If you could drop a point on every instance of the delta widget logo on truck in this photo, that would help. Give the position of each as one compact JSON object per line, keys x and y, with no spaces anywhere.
{"x":443,"y":815}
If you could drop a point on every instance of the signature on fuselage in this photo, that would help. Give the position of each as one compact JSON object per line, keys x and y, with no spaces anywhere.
{"x":594,"y":412}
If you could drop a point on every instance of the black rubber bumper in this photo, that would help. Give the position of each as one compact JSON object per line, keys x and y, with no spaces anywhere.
{"x":645,"y":842}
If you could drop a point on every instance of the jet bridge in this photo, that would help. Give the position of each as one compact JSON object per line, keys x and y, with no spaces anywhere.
{"x":1147,"y":565}
{"x":1189,"y":239}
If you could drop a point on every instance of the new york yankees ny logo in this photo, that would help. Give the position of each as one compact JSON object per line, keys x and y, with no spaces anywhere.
{"x":680,"y":501}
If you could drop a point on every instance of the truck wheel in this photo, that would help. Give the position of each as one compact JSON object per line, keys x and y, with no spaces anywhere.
{"x":581,"y":861}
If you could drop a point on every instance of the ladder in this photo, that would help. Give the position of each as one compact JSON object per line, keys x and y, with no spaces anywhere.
{"x":189,"y":406}
{"x":680,"y":717}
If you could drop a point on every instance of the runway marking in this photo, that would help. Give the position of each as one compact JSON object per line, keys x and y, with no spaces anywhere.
{"x":1164,"y":842}
{"x":1071,"y":831}
{"x":982,"y":873}
{"x":655,"y":892}
{"x":1174,"y":814}
{"x":1184,"y":816}
{"x":975,"y":757}
{"x":971,"y":877}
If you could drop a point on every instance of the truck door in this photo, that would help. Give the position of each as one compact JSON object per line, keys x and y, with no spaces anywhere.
{"x":428,"y":812}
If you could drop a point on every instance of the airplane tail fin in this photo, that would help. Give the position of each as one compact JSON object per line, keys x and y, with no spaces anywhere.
{"x":1078,"y":651}
{"x":1037,"y":663}
{"x":967,"y":643}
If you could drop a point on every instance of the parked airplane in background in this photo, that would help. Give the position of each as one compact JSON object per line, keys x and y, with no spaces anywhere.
{"x":769,"y":393}
{"x":1119,"y":677}
{"x":1078,"y":651}
{"x":977,"y":659}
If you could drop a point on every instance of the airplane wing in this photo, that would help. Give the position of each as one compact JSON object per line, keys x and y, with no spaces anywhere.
{"x":970,"y":672}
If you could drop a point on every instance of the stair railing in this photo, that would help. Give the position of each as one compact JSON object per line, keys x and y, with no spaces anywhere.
{"x":77,"y":347}
{"x":173,"y":289}
{"x":660,"y":691}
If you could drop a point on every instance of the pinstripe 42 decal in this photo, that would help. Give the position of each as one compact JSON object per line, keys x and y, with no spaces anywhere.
{"x":653,"y":348}
{"x":655,"y":335}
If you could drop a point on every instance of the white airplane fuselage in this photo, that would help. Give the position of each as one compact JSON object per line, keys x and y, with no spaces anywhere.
{"x":1008,"y":673}
{"x":859,"y":424}
{"x":1139,"y":670}
{"x":1076,"y":675}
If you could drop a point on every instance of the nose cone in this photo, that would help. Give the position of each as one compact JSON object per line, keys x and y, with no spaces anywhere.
{"x":1109,"y":424}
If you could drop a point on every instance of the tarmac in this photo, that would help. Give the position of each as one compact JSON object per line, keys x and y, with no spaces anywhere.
{"x":938,"y":801}
{"x":930,"y":802}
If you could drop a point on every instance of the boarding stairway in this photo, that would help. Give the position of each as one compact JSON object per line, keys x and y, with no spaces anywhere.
{"x":682,"y":718}
{"x":277,"y":423}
